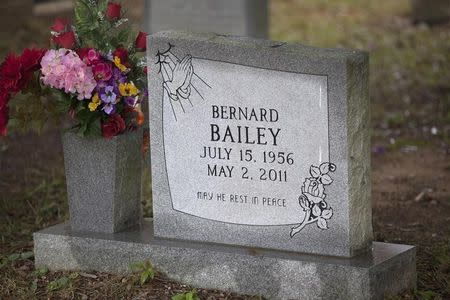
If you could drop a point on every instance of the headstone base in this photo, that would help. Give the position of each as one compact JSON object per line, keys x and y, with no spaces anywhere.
{"x":387,"y":270}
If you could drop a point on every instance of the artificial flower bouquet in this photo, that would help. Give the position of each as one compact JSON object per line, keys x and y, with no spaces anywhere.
{"x":94,"y":72}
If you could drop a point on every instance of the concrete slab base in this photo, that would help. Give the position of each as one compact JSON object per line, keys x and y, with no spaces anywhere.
{"x":386,"y":270}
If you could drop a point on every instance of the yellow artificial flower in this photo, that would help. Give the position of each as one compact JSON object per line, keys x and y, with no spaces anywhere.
{"x":128,"y":89}
{"x":95,"y":102}
{"x":118,"y":64}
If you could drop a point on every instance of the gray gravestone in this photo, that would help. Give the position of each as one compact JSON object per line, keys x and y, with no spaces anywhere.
{"x":286,"y":167}
{"x":267,"y":146}
{"x":430,"y":11}
{"x":237,"y":17}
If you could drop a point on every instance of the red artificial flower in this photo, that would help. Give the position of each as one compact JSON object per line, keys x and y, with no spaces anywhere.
{"x":121,"y":53}
{"x":10,"y":74}
{"x":4,"y":116}
{"x":83,"y":53}
{"x":113,"y":11}
{"x":141,"y":41}
{"x":4,"y":99}
{"x":60,"y":25}
{"x":31,"y":59}
{"x":129,"y":115}
{"x":113,"y":126}
{"x":65,"y":40}
{"x":17,"y":71}
{"x":145,"y":70}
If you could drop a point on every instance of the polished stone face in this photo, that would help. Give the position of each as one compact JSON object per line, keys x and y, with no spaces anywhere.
{"x":259,"y":143}
{"x":239,"y":149}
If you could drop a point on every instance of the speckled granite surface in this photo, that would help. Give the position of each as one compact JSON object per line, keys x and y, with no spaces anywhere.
{"x":385,"y":270}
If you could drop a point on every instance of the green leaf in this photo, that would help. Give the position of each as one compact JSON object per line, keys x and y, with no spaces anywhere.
{"x":94,"y":128}
{"x":3,"y":263}
{"x":179,"y":297}
{"x":145,"y":268}
{"x":427,"y":295}
{"x":41,"y":271}
{"x":192,"y":295}
{"x":136,"y":267}
{"x":27,"y":255}
{"x":144,"y":277}
{"x":62,"y":102}
{"x":58,"y":284}
{"x":34,"y":285}
{"x":84,"y":115}
{"x":147,"y":274}
{"x":14,"y":257}
{"x":82,"y":129}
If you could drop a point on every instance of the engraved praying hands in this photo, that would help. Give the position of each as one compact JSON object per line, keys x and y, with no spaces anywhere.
{"x":178,"y":83}
{"x":183,"y":87}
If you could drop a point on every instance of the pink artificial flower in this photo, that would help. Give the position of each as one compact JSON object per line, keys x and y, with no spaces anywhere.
{"x":89,"y":56}
{"x":102,"y":71}
{"x":63,"y":69}
{"x":93,"y":56}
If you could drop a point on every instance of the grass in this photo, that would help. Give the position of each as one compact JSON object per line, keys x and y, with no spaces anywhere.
{"x":410,"y":94}
{"x":409,"y":64}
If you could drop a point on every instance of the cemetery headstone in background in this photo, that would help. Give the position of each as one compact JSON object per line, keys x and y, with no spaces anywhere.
{"x":260,"y":166}
{"x":236,"y":17}
{"x":49,"y":7}
{"x":427,"y":11}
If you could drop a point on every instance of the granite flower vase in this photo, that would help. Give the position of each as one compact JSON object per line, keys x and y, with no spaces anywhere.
{"x":103,"y":178}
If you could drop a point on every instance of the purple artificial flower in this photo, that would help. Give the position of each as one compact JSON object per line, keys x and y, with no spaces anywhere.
{"x":144,"y":96}
{"x":131,"y":101}
{"x":101,"y":85}
{"x":109,"y":109}
{"x":119,"y":76}
{"x":108,"y":95}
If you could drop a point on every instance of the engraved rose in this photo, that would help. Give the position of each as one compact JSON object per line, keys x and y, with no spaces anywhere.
{"x":313,"y":190}
{"x":312,"y":199}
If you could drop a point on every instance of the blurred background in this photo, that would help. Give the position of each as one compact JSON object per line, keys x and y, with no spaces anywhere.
{"x":409,"y":46}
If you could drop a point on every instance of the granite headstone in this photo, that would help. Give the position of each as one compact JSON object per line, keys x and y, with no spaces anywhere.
{"x":436,"y":11}
{"x":260,"y":144}
{"x":238,"y":17}
{"x":257,"y":147}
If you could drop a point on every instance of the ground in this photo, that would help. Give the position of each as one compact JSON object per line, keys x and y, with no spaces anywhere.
{"x":410,"y":95}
